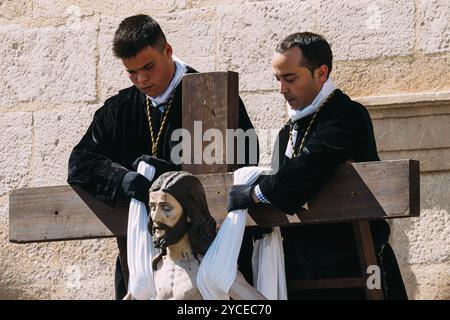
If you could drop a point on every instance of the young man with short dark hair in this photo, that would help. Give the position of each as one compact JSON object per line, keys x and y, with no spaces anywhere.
{"x":137,"y":123}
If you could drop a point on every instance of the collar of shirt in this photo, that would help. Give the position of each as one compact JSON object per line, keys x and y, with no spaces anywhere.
{"x":180,"y":70}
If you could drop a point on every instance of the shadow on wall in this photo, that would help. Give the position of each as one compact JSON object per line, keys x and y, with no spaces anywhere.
{"x":14,"y":293}
{"x":401,"y":245}
{"x":422,"y":247}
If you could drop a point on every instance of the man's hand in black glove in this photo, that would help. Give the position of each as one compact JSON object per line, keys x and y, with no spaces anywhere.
{"x":161,"y":166}
{"x":135,"y":185}
{"x":240,"y":196}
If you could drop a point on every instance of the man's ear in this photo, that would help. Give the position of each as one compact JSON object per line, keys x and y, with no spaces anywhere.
{"x":322,"y":73}
{"x":168,"y":51}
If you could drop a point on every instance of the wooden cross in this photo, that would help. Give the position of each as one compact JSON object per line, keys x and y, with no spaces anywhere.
{"x":358,"y":192}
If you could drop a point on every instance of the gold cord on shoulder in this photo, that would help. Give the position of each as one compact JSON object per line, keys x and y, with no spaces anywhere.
{"x":155,"y":142}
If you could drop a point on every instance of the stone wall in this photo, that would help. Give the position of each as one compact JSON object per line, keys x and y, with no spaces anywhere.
{"x":57,"y":69}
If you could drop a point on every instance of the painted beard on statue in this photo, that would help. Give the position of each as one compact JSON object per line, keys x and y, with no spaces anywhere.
{"x":171,"y":235}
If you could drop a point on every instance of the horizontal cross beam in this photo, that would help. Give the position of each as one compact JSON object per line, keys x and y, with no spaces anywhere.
{"x":357,"y":191}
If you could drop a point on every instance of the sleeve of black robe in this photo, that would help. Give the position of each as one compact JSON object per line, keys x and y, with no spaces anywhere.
{"x":340,"y":135}
{"x":89,"y":163}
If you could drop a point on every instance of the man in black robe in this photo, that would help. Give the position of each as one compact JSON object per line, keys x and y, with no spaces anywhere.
{"x":137,"y":123}
{"x":326,"y":128}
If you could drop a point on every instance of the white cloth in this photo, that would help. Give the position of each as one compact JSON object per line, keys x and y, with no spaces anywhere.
{"x":269,"y":276}
{"x":295,"y":115}
{"x":218,"y":269}
{"x":140,"y":249}
{"x":180,"y":70}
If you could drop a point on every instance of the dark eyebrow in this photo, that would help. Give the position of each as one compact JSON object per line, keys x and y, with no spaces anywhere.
{"x":288,"y":75}
{"x":285,"y":75}
{"x":144,"y":67}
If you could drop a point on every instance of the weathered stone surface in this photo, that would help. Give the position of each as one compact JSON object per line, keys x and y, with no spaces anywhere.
{"x":434,"y":26}
{"x":407,"y":102}
{"x":192,"y":34}
{"x":61,"y":8}
{"x":393,"y":75}
{"x":268,"y":113}
{"x":422,"y":245}
{"x":58,"y":270}
{"x":51,"y":13}
{"x":248,"y":34}
{"x":367,"y":29}
{"x":420,"y":110}
{"x":209,"y":3}
{"x":430,"y":160}
{"x":16,"y":134}
{"x":426,"y":239}
{"x":266,"y":109}
{"x":112,"y":76}
{"x":432,"y":282}
{"x":52,"y":64}
{"x":412,"y":133}
{"x":10,"y":9}
{"x":65,"y":11}
{"x":56,"y":132}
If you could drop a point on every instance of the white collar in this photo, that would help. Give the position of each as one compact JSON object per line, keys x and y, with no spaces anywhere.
{"x":326,"y":90}
{"x":180,"y":70}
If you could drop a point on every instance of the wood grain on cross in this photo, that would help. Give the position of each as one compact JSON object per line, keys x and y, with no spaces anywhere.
{"x":357,"y":191}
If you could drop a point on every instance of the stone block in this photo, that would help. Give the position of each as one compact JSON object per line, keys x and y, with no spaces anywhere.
{"x":432,"y":282}
{"x":248,"y":34}
{"x":268,"y":113}
{"x":51,"y":64}
{"x":192,"y":34}
{"x":386,"y":76}
{"x":56,"y":132}
{"x":434,"y":26}
{"x":430,"y":159}
{"x":112,"y":76}
{"x":13,"y":9}
{"x":412,"y":133}
{"x":426,"y":239}
{"x":16,"y":136}
{"x":367,"y":29}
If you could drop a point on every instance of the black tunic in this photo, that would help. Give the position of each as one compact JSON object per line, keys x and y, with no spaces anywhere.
{"x":118,"y":135}
{"x":342,"y":131}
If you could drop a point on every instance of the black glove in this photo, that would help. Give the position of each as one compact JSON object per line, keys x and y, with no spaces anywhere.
{"x":240,"y":197}
{"x":135,"y":185}
{"x":161,"y":166}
